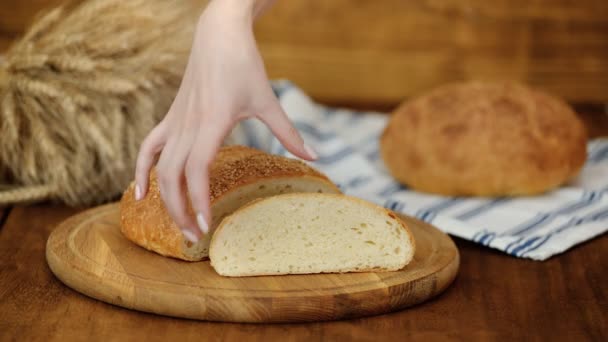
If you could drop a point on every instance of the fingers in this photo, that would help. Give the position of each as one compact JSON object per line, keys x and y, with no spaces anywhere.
{"x":183,"y":168}
{"x":201,"y":156}
{"x":278,"y":122}
{"x":170,"y":170}
{"x":146,"y":157}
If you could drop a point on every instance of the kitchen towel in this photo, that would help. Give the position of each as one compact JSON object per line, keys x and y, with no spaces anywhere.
{"x":347,"y":141}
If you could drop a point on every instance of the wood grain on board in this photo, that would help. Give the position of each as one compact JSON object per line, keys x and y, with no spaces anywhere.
{"x":89,"y":254}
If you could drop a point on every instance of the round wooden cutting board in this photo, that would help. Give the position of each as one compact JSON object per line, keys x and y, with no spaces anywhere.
{"x":89,"y":254}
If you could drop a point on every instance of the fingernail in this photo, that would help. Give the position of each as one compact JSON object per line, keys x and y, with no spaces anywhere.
{"x":202,"y":224}
{"x":190,"y":236}
{"x":137,"y":193}
{"x":310,"y":151}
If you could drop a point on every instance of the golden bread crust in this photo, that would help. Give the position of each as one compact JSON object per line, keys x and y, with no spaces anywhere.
{"x":484,"y":139}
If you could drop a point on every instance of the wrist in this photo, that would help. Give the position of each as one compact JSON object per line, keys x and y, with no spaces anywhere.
{"x":232,"y":10}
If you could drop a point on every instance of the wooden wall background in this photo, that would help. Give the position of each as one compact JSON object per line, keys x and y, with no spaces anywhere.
{"x":381,"y":51}
{"x":375,"y":53}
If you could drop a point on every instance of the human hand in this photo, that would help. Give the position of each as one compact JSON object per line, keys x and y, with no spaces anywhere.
{"x":225,"y":81}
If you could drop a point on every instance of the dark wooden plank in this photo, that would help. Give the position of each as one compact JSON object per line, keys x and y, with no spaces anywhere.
{"x":384,"y":51}
{"x":495,"y":297}
{"x":4,"y":211}
{"x":380,"y":52}
{"x":595,"y":118}
{"x":16,"y":15}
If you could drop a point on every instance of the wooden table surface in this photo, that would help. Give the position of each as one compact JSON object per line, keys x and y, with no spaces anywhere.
{"x":494,"y":297}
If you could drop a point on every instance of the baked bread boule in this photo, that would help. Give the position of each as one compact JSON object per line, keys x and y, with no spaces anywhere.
{"x":484,"y":139}
{"x":237,"y":176}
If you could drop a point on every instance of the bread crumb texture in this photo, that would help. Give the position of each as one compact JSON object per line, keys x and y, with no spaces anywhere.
{"x":305,"y":233}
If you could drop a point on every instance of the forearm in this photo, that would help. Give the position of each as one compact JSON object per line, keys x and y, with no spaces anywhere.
{"x":245,"y":10}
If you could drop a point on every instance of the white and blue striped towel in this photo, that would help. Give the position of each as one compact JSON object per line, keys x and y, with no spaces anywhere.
{"x":528,"y":227}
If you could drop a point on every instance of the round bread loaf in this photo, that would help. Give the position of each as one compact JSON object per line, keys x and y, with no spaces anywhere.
{"x":484,"y":139}
{"x":237,"y":176}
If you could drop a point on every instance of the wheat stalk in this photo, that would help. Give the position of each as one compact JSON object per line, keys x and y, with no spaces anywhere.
{"x":82,"y":88}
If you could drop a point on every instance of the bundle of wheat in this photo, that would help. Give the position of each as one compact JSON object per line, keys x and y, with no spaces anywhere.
{"x":79,"y":92}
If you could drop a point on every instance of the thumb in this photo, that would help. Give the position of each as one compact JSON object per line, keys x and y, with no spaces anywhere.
{"x":275,"y":118}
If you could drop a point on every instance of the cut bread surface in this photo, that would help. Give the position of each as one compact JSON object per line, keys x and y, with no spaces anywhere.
{"x":244,"y":194}
{"x":310,"y":233}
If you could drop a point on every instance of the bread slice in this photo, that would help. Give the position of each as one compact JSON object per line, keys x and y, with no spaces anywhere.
{"x":310,"y":233}
{"x":237,"y":176}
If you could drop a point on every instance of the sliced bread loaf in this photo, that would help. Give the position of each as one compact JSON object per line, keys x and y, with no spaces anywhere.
{"x":237,"y":176}
{"x":310,"y":233}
